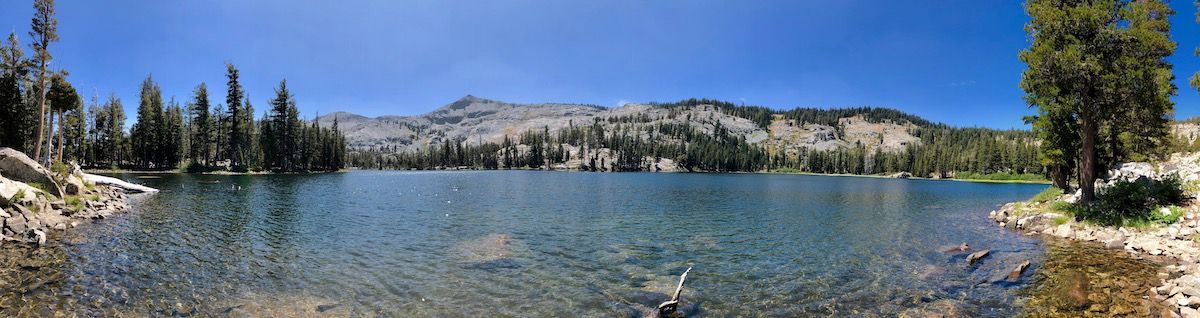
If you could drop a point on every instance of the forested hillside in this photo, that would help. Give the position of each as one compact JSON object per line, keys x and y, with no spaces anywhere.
{"x":689,"y":135}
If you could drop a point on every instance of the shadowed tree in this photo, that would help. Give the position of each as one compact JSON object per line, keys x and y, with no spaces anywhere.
{"x":201,"y":128}
{"x":63,"y":99}
{"x":15,"y":115}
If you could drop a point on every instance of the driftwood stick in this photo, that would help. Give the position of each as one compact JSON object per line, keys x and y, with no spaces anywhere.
{"x":668,"y":307}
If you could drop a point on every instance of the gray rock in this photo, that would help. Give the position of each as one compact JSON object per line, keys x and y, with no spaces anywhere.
{"x":974,"y":257}
{"x":41,"y":237}
{"x":1188,"y":312}
{"x":16,"y":225}
{"x":16,"y":166}
{"x":1115,"y":243}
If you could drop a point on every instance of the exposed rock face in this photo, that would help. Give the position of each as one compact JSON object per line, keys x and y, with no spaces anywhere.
{"x":476,"y":120}
{"x":16,"y":166}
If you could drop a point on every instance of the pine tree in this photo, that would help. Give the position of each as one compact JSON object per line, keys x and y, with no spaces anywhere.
{"x":62,"y":98}
{"x":1102,"y":65}
{"x":15,"y":115}
{"x":44,"y":31}
{"x":145,"y":136}
{"x":237,"y":134}
{"x":201,"y":129}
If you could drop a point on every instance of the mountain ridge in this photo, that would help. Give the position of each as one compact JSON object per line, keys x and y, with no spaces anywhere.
{"x":411,"y":132}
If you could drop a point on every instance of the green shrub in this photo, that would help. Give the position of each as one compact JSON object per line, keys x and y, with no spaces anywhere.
{"x":60,"y":169}
{"x":1169,"y":190}
{"x":1173,"y":214}
{"x":1127,"y":202}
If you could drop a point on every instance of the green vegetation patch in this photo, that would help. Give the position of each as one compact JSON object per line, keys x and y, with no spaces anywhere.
{"x":1050,"y":194}
{"x":1139,"y":203}
{"x":1000,"y":176}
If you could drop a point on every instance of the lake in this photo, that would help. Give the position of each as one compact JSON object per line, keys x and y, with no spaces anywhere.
{"x":529,"y":243}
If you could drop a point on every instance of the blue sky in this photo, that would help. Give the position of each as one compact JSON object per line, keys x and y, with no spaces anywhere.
{"x":948,"y":61}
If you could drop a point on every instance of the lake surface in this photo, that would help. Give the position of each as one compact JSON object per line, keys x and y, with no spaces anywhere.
{"x":526,"y":243}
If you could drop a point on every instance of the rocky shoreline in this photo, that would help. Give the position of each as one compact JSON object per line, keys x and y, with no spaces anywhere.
{"x":35,"y":201}
{"x":1174,"y":245}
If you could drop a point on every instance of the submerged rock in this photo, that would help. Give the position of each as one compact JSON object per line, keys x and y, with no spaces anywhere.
{"x":1075,"y":290}
{"x":974,"y":257}
{"x":1015,"y":274}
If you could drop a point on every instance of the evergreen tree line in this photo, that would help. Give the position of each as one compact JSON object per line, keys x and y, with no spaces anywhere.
{"x":198,"y":136}
{"x":942,"y":152}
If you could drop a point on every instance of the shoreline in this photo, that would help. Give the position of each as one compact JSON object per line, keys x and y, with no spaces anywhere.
{"x":1046,"y":182}
{"x":214,"y":173}
{"x":1174,"y":248}
{"x":767,"y":172}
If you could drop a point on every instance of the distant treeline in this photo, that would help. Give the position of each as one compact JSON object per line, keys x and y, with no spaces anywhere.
{"x":942,"y":151}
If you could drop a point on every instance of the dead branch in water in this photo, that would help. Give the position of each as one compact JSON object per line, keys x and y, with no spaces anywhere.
{"x":670,"y":306}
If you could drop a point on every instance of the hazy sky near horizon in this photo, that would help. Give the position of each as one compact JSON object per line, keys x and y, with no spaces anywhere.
{"x":948,"y":61}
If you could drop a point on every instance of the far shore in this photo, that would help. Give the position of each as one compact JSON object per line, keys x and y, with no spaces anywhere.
{"x":214,"y":173}
{"x":880,"y":176}
{"x":252,"y":173}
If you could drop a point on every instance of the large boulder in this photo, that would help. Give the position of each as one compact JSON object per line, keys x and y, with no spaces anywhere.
{"x":16,"y":166}
{"x":9,"y":190}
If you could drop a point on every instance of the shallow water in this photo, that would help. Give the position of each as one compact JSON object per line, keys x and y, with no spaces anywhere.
{"x":526,"y":243}
{"x":1083,"y":279}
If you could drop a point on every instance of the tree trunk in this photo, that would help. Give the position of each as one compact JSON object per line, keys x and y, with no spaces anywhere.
{"x":1087,"y":167}
{"x":60,"y":134}
{"x":1058,"y":175}
{"x":37,"y":149}
{"x":50,"y":141}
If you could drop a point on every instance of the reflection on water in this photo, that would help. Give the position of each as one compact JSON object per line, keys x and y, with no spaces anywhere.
{"x":532,"y":244}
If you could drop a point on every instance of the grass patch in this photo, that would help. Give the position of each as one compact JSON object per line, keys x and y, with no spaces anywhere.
{"x":1050,"y":194}
{"x":1000,"y":176}
{"x":788,"y":170}
{"x":17,"y":197}
{"x":74,"y":203}
{"x":37,"y":185}
{"x":1061,"y":220}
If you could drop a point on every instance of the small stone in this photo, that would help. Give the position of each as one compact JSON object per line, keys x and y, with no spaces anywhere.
{"x":41,"y":237}
{"x":1115,"y":243}
{"x":971,"y":259}
{"x":1188,"y":312}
